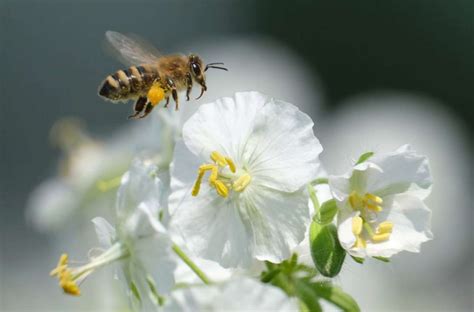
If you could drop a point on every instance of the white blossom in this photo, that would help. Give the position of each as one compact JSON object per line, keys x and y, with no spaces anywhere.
{"x":381,"y":204}
{"x":260,"y":154}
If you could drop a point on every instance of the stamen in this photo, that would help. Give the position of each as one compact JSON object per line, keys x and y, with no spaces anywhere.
{"x":218,"y":159}
{"x":360,"y":242}
{"x":197,"y":184}
{"x":231,"y":164}
{"x":374,"y":198}
{"x":380,"y":237}
{"x":62,"y":265}
{"x":373,"y":207}
{"x":354,"y":200}
{"x":221,"y":189}
{"x":213,"y":176}
{"x":385,"y":227}
{"x":68,"y":285}
{"x":241,"y":183}
{"x":357,"y":225}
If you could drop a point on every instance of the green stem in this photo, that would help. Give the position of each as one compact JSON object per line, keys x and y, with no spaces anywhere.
{"x":314,"y":198}
{"x":191,"y":264}
{"x":320,"y":181}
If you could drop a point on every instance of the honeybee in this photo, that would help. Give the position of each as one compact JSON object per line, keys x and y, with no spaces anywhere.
{"x":151,"y":76}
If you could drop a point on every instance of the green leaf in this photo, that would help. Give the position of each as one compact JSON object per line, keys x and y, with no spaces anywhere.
{"x":327,"y":212}
{"x":326,"y":250}
{"x":358,"y":260}
{"x":364,"y":157}
{"x":336,"y":296}
{"x":383,"y":259}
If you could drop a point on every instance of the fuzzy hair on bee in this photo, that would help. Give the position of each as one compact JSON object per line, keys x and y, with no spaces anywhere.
{"x":151,"y":77}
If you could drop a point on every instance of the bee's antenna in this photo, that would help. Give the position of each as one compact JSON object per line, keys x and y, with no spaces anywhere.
{"x":217,"y":67}
{"x":216,"y":63}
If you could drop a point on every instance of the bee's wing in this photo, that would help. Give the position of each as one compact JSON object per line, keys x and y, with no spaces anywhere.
{"x":130,"y":49}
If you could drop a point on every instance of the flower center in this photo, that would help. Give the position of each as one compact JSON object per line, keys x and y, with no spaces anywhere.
{"x":363,"y":225}
{"x":224,"y":176}
{"x":70,"y":277}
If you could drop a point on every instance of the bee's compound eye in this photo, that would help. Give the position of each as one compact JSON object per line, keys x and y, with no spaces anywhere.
{"x":196,"y":69}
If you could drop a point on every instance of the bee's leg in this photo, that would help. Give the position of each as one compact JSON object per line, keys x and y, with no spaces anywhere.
{"x":148,"y":108}
{"x":167,"y":101}
{"x":189,"y":85}
{"x":174,"y":93}
{"x":138,"y":107}
{"x":202,"y":92}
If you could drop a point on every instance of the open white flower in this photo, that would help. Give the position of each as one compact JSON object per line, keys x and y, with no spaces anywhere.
{"x":380,"y":201}
{"x":241,"y":294}
{"x":139,"y":241}
{"x":260,"y":153}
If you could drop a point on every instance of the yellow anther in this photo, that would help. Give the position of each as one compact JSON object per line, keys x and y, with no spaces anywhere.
{"x":374,"y":198}
{"x":241,"y":183}
{"x":206,"y":167}
{"x":360,"y":242}
{"x":380,"y":237}
{"x":355,"y":200}
{"x":221,"y":189}
{"x":373,"y":207}
{"x":385,"y":227}
{"x":155,"y":94}
{"x":214,"y":174}
{"x":62,"y":265}
{"x":67,"y":283}
{"x":218,"y":159}
{"x":197,"y":184}
{"x":357,"y":223}
{"x":231,"y":164}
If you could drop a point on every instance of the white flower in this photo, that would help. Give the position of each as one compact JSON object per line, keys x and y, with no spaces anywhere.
{"x":381,"y":207}
{"x":139,"y":241}
{"x":242,"y":294}
{"x":260,"y":154}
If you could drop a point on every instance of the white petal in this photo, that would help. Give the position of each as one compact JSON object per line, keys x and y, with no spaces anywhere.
{"x":155,"y":255}
{"x":402,"y":170}
{"x":282,"y":151}
{"x":411,"y":219}
{"x":278,"y":221}
{"x":213,"y":229}
{"x":243,"y":294}
{"x":223,"y":126}
{"x":140,"y":189}
{"x":105,"y":232}
{"x":345,"y":234}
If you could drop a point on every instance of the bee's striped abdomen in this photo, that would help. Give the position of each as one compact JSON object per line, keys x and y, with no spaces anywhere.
{"x":129,"y":83}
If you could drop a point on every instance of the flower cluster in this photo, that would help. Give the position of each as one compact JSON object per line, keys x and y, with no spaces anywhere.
{"x":243,"y":199}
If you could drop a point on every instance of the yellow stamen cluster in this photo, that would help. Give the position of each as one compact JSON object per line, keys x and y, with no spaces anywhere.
{"x":65,"y":276}
{"x":221,"y":182}
{"x":368,"y":203}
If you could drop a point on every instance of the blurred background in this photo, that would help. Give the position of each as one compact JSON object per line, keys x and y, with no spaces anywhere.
{"x":373,"y":75}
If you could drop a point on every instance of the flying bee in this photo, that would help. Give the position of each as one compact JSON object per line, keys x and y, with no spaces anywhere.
{"x":151,"y":76}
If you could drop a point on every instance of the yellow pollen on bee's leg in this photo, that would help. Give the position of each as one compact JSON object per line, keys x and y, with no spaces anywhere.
{"x":155,"y":94}
{"x":218,"y":159}
{"x":241,"y":183}
{"x":221,"y":189}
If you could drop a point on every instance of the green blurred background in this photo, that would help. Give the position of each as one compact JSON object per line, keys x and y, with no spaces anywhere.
{"x":52,"y":63}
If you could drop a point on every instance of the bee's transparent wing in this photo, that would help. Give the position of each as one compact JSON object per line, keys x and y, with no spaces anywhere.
{"x":130,"y":49}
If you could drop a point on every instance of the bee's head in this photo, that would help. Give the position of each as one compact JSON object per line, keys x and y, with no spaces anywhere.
{"x":197,"y":70}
